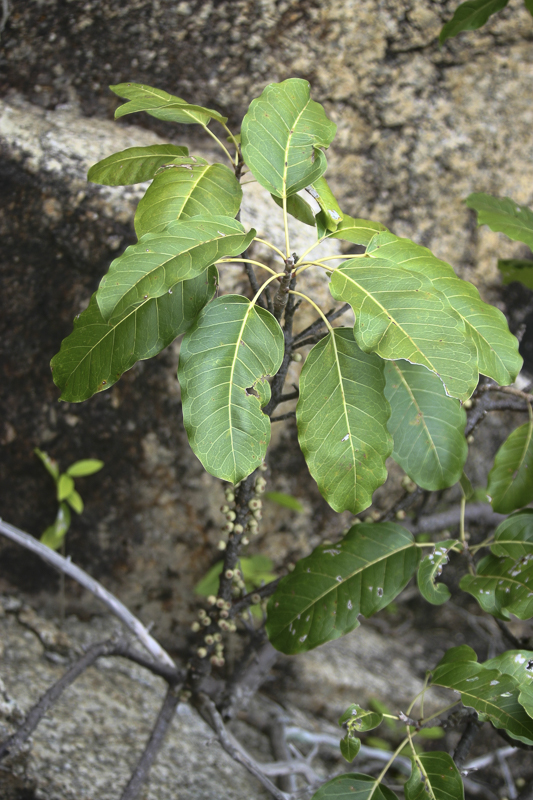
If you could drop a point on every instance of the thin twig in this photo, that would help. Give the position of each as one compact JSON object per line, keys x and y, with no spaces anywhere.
{"x":281,"y":753}
{"x":480,"y":513}
{"x":68,"y":568}
{"x":485,"y":405}
{"x":466,"y":741}
{"x":248,"y":677}
{"x":248,"y":599}
{"x":319,"y":323}
{"x":288,"y":415}
{"x":311,"y":340}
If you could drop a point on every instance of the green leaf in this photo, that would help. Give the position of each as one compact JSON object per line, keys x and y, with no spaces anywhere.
{"x":322,"y":599}
{"x":65,"y":486}
{"x":501,"y":586}
{"x":427,"y":426}
{"x":529,"y":6}
{"x":354,"y":787}
{"x":510,"y":481}
{"x":518,"y":664}
{"x":350,"y":746}
{"x":466,"y":487}
{"x":434,"y":776}
{"x":285,"y":500}
{"x":297,"y":208}
{"x":492,"y":694}
{"x":514,"y":537}
{"x":486,"y":326}
{"x":325,"y":198}
{"x":161,"y":105}
{"x":517,"y":269}
{"x":74,"y":500}
{"x":430,"y":569}
{"x":185,"y":191}
{"x":360,"y":720}
{"x":504,"y":215}
{"x":134,"y":165}
{"x":54,"y":535}
{"x":400,"y":314}
{"x":230,"y":349}
{"x":256,"y":571}
{"x":470,"y":16}
{"x":159,"y":261}
{"x":88,"y":466}
{"x":282,"y":136}
{"x":341,"y":416}
{"x":357,"y":231}
{"x":97,"y":353}
{"x":50,"y":464}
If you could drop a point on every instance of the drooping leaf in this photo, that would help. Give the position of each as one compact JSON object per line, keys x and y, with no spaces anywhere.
{"x":65,"y":486}
{"x":359,"y":719}
{"x":470,"y":16}
{"x":510,"y":481}
{"x":357,"y":231}
{"x":502,"y":586}
{"x":97,"y":353}
{"x":492,"y":694}
{"x":282,"y":134}
{"x":54,"y":535}
{"x":185,"y":191}
{"x":321,"y":600}
{"x":325,"y":198}
{"x":354,"y":786}
{"x":87,"y":466}
{"x":517,"y":269}
{"x":400,"y":314}
{"x":504,"y":215}
{"x":134,"y":165}
{"x":341,"y":416}
{"x":161,"y":105}
{"x":285,"y":500}
{"x":514,"y":537}
{"x":497,"y":348}
{"x":50,"y":464}
{"x":430,"y":569}
{"x":297,"y":208}
{"x":230,"y":349}
{"x":427,"y":426}
{"x":349,"y":746}
{"x":159,"y":261}
{"x":434,"y":776}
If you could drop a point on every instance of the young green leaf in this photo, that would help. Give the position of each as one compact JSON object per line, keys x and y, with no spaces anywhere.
{"x":159,"y":261}
{"x":65,"y":486}
{"x":355,"y":787}
{"x":349,"y":746}
{"x":360,"y":720}
{"x":322,"y":599}
{"x":186,"y":191}
{"x":434,"y":776}
{"x":320,"y":191}
{"x":514,"y":537}
{"x":510,"y":481}
{"x":430,"y":569}
{"x":134,"y":165}
{"x":230,"y":349}
{"x":54,"y":535}
{"x":161,"y":105}
{"x":470,"y":16}
{"x":285,"y":500}
{"x":97,"y":353}
{"x":75,"y":502}
{"x":297,"y":208}
{"x":427,"y":426}
{"x":50,"y":464}
{"x":357,"y":231}
{"x":341,"y":416}
{"x":504,"y":215}
{"x":87,"y":466}
{"x":517,"y":269}
{"x":501,"y":586}
{"x":400,"y":314}
{"x":282,"y":136}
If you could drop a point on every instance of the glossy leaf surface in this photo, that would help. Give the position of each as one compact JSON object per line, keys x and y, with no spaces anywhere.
{"x":65,"y":486}
{"x":360,"y":719}
{"x":185,"y":191}
{"x":470,"y":16}
{"x":434,"y":777}
{"x":502,"y":586}
{"x":158,"y":262}
{"x":504,"y":215}
{"x":75,"y":502}
{"x":430,"y":569}
{"x":134,"y":165}
{"x":510,"y":481}
{"x":518,"y":664}
{"x":341,"y":416}
{"x":427,"y":426}
{"x":282,"y":134}
{"x":97,"y":353}
{"x":357,"y":231}
{"x":514,"y":536}
{"x":400,"y":314}
{"x":87,"y":466}
{"x":354,"y":787}
{"x":232,"y":347}
{"x":161,"y":105}
{"x":321,"y":600}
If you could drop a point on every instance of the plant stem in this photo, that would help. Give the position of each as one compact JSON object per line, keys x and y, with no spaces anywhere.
{"x":269,"y":244}
{"x":286,"y":227}
{"x":324,"y":318}
{"x":221,"y":144}
{"x":247,"y":261}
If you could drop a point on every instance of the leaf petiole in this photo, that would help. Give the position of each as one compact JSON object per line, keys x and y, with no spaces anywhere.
{"x":317,"y":309}
{"x":217,"y":140}
{"x":269,"y":244}
{"x":246,"y":261}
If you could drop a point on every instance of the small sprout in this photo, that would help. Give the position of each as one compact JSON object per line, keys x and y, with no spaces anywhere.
{"x":201,"y":652}
{"x":195,"y":627}
{"x":222,"y":545}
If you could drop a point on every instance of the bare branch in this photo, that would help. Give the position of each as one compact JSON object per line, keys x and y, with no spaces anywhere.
{"x":466,"y":741}
{"x":248,"y":599}
{"x":66,"y":567}
{"x":485,"y":405}
{"x":247,"y":679}
{"x":480,"y":513}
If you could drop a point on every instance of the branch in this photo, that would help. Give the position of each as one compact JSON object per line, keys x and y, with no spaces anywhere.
{"x":466,"y":741}
{"x":66,"y":567}
{"x":485,"y":405}
{"x":480,"y":513}
{"x":248,"y":678}
{"x":248,"y":599}
{"x":316,"y":326}
{"x":288,"y":415}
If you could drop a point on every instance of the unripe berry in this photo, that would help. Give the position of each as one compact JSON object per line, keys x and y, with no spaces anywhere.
{"x":222,"y":545}
{"x":211,"y":599}
{"x":224,"y":509}
{"x":254,"y":504}
{"x":256,"y":598}
{"x":206,"y":621}
{"x":245,"y":540}
{"x":229,"y":574}
{"x":238,"y":529}
{"x":230,"y":497}
{"x":227,"y":528}
{"x":201,"y":652}
{"x":220,"y":602}
{"x":195,"y":627}
{"x":217,"y":637}
{"x":400,"y":514}
{"x":209,"y":639}
{"x":224,"y":614}
{"x":230,"y":516}
{"x":202,"y":612}
{"x":257,"y":514}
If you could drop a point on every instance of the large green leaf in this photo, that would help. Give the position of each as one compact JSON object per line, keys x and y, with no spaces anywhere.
{"x":427,"y":426}
{"x":519,"y":664}
{"x":502,"y":586}
{"x":497,"y":349}
{"x":282,"y":136}
{"x":134,"y":165}
{"x":162,"y":105}
{"x":470,"y":16}
{"x":232,"y":348}
{"x":504,"y":215}
{"x":322,"y":599}
{"x":297,"y":208}
{"x":354,"y":787}
{"x":492,"y":694}
{"x":96,"y":353}
{"x":357,"y":231}
{"x":184,"y":250}
{"x":514,"y":537}
{"x":510,"y":481}
{"x":188,"y":190}
{"x":434,"y":777}
{"x":430,"y":569}
{"x":342,"y":416}
{"x":517,"y":269}
{"x":400,"y":315}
